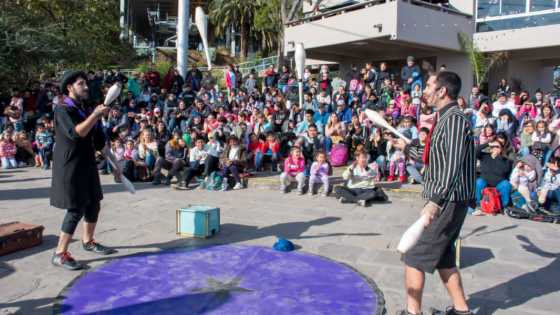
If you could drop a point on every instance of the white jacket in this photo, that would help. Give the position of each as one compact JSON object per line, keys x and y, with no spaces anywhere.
{"x":550,"y":182}
{"x":507,"y":105}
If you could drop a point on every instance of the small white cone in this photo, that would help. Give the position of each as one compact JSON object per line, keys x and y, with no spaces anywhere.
{"x":412,"y":235}
{"x":126,"y":183}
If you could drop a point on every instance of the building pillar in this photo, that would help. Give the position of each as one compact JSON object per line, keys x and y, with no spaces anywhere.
{"x":123,"y":8}
{"x":232,"y":42}
{"x":183,"y":38}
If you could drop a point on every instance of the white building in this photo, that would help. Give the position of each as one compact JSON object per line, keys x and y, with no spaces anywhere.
{"x":390,"y":31}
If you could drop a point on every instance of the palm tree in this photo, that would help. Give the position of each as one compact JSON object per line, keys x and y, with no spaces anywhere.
{"x":239,"y":13}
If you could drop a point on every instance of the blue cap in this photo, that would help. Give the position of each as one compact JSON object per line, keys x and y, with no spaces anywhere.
{"x":195,"y":115}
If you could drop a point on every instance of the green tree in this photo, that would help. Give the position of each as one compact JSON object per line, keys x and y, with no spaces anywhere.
{"x":237,"y":13}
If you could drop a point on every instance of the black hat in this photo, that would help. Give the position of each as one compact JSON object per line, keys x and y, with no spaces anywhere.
{"x":71,"y":77}
{"x":90,"y":72}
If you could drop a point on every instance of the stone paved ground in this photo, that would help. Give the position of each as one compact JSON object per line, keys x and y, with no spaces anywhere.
{"x":508,"y":266}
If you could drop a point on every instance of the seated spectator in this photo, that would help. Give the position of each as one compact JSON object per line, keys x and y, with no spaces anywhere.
{"x":210,"y":124}
{"x":427,"y":118}
{"x":144,"y":125}
{"x":413,"y":166}
{"x":526,"y":138}
{"x":147,"y":149}
{"x":8,"y":150}
{"x":293,"y":171}
{"x":179,"y":117}
{"x":202,"y":159}
{"x":280,"y":117}
{"x":526,"y":176}
{"x":115,"y":121}
{"x":507,"y":123}
{"x":344,"y":113}
{"x":495,"y":168}
{"x":508,"y":150}
{"x":296,"y":115}
{"x":393,"y":110}
{"x":176,"y":154}
{"x":360,"y":187}
{"x":321,"y":116}
{"x":202,"y":109}
{"x":310,"y":143}
{"x":547,"y":114}
{"x":262,"y":126}
{"x":24,"y":148}
{"x":269,"y":152}
{"x":335,"y":131}
{"x":376,"y":147}
{"x":548,"y":191}
{"x":304,"y":125}
{"x":212,"y":141}
{"x":253,"y":147}
{"x":373,"y":103}
{"x":356,"y":134}
{"x":503,"y":103}
{"x":224,"y":130}
{"x":488,"y":134}
{"x":408,"y":129}
{"x":319,"y":172}
{"x":130,"y":150}
{"x":541,"y":139}
{"x":234,"y":161}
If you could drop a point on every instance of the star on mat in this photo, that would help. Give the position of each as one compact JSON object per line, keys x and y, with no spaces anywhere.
{"x":222,"y":288}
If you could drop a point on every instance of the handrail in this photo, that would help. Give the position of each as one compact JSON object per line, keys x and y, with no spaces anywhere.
{"x":367,"y":3}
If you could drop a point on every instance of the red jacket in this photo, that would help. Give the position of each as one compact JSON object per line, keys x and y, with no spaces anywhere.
{"x":167,"y":81}
{"x":266,"y":146}
{"x":153,"y":78}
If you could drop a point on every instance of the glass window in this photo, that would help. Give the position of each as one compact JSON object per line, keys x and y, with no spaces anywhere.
{"x":513,"y":6}
{"x":540,"y":5}
{"x":519,"y":22}
{"x":488,"y":8}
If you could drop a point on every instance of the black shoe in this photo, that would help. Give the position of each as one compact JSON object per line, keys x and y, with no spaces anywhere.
{"x":178,"y":177}
{"x":156,"y":180}
{"x":65,"y":260}
{"x":180,"y":186}
{"x":97,"y":248}
{"x":167,"y":180}
{"x":450,"y":311}
{"x":405,"y":312}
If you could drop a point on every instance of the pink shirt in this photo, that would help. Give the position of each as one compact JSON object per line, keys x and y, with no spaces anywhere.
{"x":294,"y":167}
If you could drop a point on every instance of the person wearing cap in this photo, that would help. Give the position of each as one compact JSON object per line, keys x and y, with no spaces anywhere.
{"x":144,"y":124}
{"x":144,"y":98}
{"x":75,"y":178}
{"x":321,"y":116}
{"x":222,"y":102}
{"x":114,"y":122}
{"x":132,"y":107}
{"x":238,"y":77}
{"x":407,"y":71}
{"x":133,"y":85}
{"x":94,"y":87}
{"x":373,"y":103}
{"x":343,"y":112}
{"x":208,"y":81}
{"x":503,"y":103}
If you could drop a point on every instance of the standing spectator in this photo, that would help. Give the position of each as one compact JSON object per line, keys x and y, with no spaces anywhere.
{"x":381,"y":75}
{"x":99,"y":77}
{"x":133,"y":84}
{"x":503,"y":87}
{"x":324,"y":79}
{"x":198,"y":72}
{"x":474,"y":97}
{"x":154,"y":79}
{"x":108,"y":82}
{"x":270,"y":79}
{"x":230,"y":79}
{"x":167,"y":79}
{"x":15,"y":111}
{"x":284,"y":77}
{"x":251,"y":83}
{"x":177,"y":83}
{"x":119,"y":77}
{"x":192,"y":81}
{"x":94,"y":87}
{"x":349,"y":75}
{"x":44,"y":99}
{"x":208,"y":81}
{"x":407,"y":72}
{"x":371,"y":75}
{"x":238,"y":77}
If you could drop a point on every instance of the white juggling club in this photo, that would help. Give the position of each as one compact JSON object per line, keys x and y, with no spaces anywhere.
{"x":126,"y":183}
{"x":201,"y":24}
{"x":412,"y":235}
{"x":299,"y":57}
{"x":378,"y":119}
{"x":113,"y":93}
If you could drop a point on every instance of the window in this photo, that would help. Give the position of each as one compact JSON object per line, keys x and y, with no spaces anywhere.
{"x":488,"y":8}
{"x":513,"y":6}
{"x":541,"y":5}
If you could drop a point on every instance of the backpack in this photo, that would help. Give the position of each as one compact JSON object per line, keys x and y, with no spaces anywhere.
{"x":339,"y":155}
{"x":127,"y":167}
{"x":214,"y":182}
{"x":490,"y":201}
{"x":353,"y":85}
{"x":518,"y":200}
{"x":143,"y":172}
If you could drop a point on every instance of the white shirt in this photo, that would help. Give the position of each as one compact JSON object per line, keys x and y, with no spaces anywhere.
{"x":233,"y":153}
{"x":507,"y":105}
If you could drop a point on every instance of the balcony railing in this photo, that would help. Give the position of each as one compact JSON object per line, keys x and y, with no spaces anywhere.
{"x":499,"y":16}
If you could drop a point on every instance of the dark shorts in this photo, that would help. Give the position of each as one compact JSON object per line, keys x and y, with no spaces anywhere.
{"x":436,"y":247}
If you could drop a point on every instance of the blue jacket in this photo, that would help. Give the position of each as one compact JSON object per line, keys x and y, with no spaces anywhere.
{"x":345,"y":115}
{"x":324,"y":119}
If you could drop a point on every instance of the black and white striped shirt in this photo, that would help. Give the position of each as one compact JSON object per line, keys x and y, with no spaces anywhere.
{"x":450,"y":175}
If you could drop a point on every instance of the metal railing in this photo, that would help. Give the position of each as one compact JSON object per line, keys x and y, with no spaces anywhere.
{"x":365,"y":4}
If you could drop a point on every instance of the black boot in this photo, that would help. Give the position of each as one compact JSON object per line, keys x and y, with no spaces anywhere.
{"x":167,"y":180}
{"x":156,"y":180}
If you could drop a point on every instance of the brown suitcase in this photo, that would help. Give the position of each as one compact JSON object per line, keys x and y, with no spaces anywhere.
{"x":15,"y":236}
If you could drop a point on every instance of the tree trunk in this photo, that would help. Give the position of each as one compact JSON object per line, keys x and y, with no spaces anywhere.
{"x":244,"y":39}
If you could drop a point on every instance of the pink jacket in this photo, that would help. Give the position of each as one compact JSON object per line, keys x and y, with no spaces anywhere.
{"x":533,"y":112}
{"x":8,"y":149}
{"x":228,"y":80}
{"x":427,"y":121}
{"x":484,"y":139}
{"x":298,"y":166}
{"x":411,"y":111}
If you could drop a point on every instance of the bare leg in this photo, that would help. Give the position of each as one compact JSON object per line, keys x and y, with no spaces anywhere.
{"x":414,"y":286}
{"x":63,"y":242}
{"x":89,"y":229}
{"x":452,"y":280}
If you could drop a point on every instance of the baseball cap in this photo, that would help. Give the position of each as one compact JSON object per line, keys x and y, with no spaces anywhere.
{"x":118,"y":69}
{"x":320,"y":105}
{"x":148,"y":113}
{"x":512,"y":93}
{"x":143,"y":118}
{"x":134,"y":72}
{"x":392,"y":102}
{"x":157,"y":110}
{"x":196,"y":115}
{"x":340,"y":103}
{"x":138,"y":117}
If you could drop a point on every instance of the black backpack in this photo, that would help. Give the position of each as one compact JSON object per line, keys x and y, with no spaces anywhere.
{"x":127,"y":167}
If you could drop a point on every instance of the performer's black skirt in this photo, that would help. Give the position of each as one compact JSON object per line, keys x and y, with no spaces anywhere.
{"x":436,"y":247}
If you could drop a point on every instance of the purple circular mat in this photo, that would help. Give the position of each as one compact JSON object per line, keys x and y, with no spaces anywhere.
{"x":228,"y":279}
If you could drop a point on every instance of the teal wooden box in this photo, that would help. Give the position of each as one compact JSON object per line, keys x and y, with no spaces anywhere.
{"x":198,"y":221}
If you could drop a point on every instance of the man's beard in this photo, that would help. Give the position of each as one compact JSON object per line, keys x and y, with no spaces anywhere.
{"x":83,"y":98}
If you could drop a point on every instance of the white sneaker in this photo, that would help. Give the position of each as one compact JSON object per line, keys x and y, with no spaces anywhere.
{"x":225,"y":184}
{"x":21,"y":164}
{"x":202,"y":186}
{"x":238,"y":186}
{"x":362,"y":203}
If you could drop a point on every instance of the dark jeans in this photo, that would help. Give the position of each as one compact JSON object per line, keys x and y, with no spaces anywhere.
{"x":354,"y":195}
{"x":172,"y":166}
{"x":234,"y":170}
{"x":263,"y":158}
{"x":210,"y":165}
{"x":22,"y":154}
{"x":308,"y":163}
{"x":46,"y":155}
{"x":73,"y":216}
{"x":353,"y":140}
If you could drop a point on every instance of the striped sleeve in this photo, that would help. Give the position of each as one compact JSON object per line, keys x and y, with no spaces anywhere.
{"x":451,"y":154}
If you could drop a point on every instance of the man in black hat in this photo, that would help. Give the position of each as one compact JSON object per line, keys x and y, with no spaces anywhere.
{"x":407,"y":71}
{"x":75,"y":179}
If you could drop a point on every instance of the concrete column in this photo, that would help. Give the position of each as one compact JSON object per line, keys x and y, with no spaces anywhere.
{"x":232,"y":42}
{"x":123,"y":7}
{"x":183,"y":38}
{"x":228,"y":36}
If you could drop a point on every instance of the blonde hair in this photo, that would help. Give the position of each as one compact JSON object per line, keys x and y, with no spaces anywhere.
{"x":405,"y":120}
{"x":142,"y":136}
{"x":330,"y":123}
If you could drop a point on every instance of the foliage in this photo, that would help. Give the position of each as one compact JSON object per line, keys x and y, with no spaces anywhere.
{"x":336,"y":82}
{"x":213,"y":53}
{"x":38,"y":34}
{"x":161,"y":67}
{"x":517,"y":84}
{"x":482,"y":63}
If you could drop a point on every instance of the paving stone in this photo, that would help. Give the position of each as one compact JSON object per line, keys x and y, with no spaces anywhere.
{"x":515,"y":273}
{"x":340,"y":252}
{"x":394,"y":278}
{"x":383,"y":257}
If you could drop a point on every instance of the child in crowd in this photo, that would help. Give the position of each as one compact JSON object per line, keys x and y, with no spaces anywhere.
{"x":262,"y":126}
{"x":254,"y":146}
{"x":118,"y":149}
{"x":397,"y":161}
{"x":540,"y":140}
{"x":24,"y":148}
{"x":427,"y":118}
{"x":488,"y":134}
{"x":293,"y":170}
{"x":215,"y":143}
{"x":408,"y":129}
{"x":291,"y":126}
{"x":393,"y":110}
{"x":319,"y":172}
{"x":547,"y":192}
{"x":8,"y":150}
{"x":130,"y":150}
{"x":416,"y":93}
{"x":44,"y":143}
{"x":407,"y":108}
{"x":269,"y":152}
